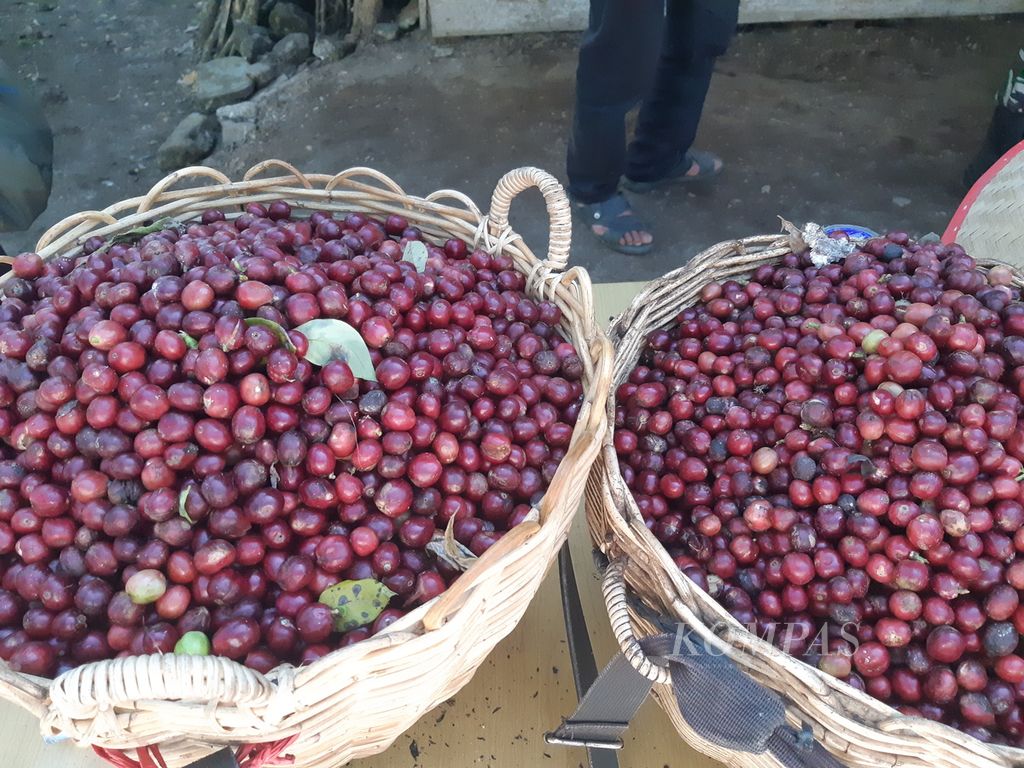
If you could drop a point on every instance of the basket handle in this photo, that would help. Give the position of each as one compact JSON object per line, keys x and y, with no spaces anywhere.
{"x":173,"y":178}
{"x":62,"y":226}
{"x":613,"y":588}
{"x":759,"y":726}
{"x":559,"y":213}
{"x":22,"y":690}
{"x":259,"y":168}
{"x":459,"y":197}
{"x":82,"y":696}
{"x":450,"y":601}
{"x":349,"y":176}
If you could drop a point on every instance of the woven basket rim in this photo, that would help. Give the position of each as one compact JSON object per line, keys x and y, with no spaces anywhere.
{"x":652,"y":576}
{"x":457,"y":613}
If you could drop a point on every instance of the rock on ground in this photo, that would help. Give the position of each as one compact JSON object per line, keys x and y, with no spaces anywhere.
{"x":291,"y":50}
{"x":286,"y":18}
{"x":333,"y":47}
{"x":242,"y":112}
{"x":263,"y":73}
{"x":237,"y":123}
{"x":252,"y":40}
{"x":387,"y":31}
{"x":191,"y":140}
{"x":222,"y":81}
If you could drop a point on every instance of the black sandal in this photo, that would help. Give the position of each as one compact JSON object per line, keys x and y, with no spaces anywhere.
{"x":709,"y":165}
{"x":616,"y":216}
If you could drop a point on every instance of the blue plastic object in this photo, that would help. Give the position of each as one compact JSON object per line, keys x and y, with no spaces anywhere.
{"x":852,"y":231}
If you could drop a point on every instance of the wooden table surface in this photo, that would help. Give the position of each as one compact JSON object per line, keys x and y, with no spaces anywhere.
{"x":499,"y":719}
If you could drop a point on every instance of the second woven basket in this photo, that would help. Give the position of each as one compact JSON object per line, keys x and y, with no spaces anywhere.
{"x":645,"y":590}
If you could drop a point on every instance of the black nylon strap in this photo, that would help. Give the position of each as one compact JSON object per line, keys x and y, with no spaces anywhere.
{"x":605,"y":711}
{"x":584,"y":671}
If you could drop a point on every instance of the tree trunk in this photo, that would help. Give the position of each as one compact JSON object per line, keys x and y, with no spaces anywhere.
{"x":365,"y":14}
{"x":219,"y":18}
{"x":332,"y":16}
{"x":247,"y":11}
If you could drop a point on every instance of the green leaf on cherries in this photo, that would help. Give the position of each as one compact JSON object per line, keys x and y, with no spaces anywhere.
{"x":182,"y":498}
{"x":415,"y":253}
{"x":356,"y":603}
{"x":275,"y":328}
{"x":189,"y":341}
{"x":337,"y":340}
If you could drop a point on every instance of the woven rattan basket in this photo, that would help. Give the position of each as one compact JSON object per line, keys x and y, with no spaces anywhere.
{"x":859,"y":730}
{"x":355,"y":701}
{"x":988,"y":220}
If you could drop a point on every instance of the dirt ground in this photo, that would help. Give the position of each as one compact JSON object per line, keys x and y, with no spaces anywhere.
{"x":857,"y":123}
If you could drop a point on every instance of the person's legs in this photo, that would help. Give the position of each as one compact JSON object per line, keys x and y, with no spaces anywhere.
{"x":696,"y":33}
{"x":617,"y":63}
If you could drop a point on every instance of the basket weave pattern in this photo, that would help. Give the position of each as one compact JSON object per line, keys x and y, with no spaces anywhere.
{"x":357,"y":700}
{"x":861,"y":731}
{"x":988,"y":219}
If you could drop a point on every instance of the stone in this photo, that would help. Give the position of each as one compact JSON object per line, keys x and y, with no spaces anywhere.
{"x":442,"y":51}
{"x":279,"y":84}
{"x":251,"y":40}
{"x":237,"y":123}
{"x":236,"y":133}
{"x":190,"y":141}
{"x":409,"y":16}
{"x":291,"y":50}
{"x":242,"y":112}
{"x":222,"y":81}
{"x":901,"y":202}
{"x":333,"y":47}
{"x":264,"y":72}
{"x":387,"y":31}
{"x":287,"y":18}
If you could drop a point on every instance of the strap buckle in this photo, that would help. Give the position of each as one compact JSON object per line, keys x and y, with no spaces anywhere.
{"x":555,"y":737}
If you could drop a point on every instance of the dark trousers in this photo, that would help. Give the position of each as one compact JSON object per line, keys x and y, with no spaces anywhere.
{"x":660,"y":53}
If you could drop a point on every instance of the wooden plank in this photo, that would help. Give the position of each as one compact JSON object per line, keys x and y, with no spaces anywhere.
{"x":768,"y":11}
{"x":453,"y":18}
{"x":499,"y":719}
